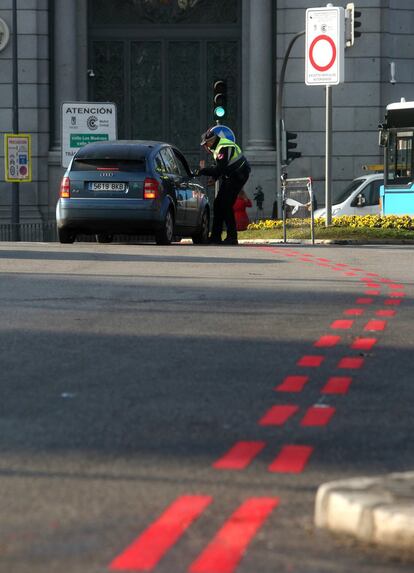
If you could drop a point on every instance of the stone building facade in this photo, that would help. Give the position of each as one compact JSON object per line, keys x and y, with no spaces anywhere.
{"x":157,"y":59}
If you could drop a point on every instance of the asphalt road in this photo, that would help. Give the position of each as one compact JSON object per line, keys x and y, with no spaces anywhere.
{"x":148,"y":404}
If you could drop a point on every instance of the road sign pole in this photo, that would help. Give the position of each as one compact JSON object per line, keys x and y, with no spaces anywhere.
{"x":328,"y":156}
{"x":15,"y":198}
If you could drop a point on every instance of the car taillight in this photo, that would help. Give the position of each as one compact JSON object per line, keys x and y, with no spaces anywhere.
{"x":151,"y":188}
{"x":65,"y":188}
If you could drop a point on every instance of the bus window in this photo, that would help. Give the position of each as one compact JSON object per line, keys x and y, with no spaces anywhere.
{"x":400,"y":157}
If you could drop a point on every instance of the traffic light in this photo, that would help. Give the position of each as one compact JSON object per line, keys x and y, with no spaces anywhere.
{"x":219,"y":99}
{"x":351,"y":24}
{"x":288,"y":144}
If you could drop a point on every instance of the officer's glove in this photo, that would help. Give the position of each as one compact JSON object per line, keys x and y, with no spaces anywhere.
{"x":195,"y":173}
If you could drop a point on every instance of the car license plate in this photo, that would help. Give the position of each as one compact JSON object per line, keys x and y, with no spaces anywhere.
{"x":106,"y":186}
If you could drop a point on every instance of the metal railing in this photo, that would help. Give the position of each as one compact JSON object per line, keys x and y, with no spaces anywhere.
{"x":298,"y":202}
{"x":30,"y":232}
{"x":47,"y":233}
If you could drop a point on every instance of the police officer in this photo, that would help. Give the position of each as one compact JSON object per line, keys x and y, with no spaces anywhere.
{"x":233,"y":169}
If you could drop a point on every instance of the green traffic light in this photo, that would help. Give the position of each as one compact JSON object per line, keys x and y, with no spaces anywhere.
{"x":219,"y":111}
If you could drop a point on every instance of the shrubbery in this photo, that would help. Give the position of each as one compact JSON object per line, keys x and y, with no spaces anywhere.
{"x":353,"y":221}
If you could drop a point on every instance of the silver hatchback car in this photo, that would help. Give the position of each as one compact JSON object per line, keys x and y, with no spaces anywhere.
{"x":131,"y":188}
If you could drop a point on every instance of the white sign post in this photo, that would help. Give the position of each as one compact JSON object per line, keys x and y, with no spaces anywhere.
{"x":86,"y":122}
{"x":325,"y":46}
{"x":324,"y":66}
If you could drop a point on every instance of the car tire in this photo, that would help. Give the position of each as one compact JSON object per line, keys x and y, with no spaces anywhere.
{"x":201,"y":236}
{"x":65,"y":236}
{"x":165,"y":234}
{"x":104,"y":238}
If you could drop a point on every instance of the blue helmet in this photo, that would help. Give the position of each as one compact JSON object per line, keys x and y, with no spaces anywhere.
{"x":217,"y":132}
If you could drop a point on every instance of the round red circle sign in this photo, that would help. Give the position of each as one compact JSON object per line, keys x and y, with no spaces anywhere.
{"x":333,"y":57}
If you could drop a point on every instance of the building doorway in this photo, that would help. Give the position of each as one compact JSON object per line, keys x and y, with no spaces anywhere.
{"x":158,"y":60}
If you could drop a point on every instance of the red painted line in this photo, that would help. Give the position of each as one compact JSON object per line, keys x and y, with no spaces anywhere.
{"x":226,"y":549}
{"x":392,"y":301}
{"x":278,"y":415}
{"x":385,"y":312}
{"x":317,"y":416}
{"x":364,"y":300}
{"x":291,"y":459}
{"x":311,"y":360}
{"x":145,"y":553}
{"x":372,"y":275}
{"x":375,"y":325}
{"x":292,"y":384}
{"x":372,"y":285}
{"x":373,"y":292}
{"x":351,"y":362}
{"x":337,"y":385}
{"x":364,"y":343}
{"x":395,"y":286}
{"x":396,"y":294}
{"x":342,"y":324}
{"x":354,"y":311}
{"x":323,"y":260}
{"x":350,"y":274}
{"x":239,"y":456}
{"x":341,"y":265}
{"x":327,"y":341}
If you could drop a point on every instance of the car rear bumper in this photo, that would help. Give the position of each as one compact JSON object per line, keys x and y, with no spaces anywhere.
{"x":120,"y":215}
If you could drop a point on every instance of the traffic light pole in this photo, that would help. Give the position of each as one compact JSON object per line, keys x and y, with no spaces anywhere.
{"x":279,"y":107}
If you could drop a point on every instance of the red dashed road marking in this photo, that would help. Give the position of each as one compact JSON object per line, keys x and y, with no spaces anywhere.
{"x":228,"y":546}
{"x":373,"y":292}
{"x":385,"y":312}
{"x":392,"y":302}
{"x":317,"y":416}
{"x":239,"y":456}
{"x":351,"y":362}
{"x":278,"y":415}
{"x":291,"y":459}
{"x":364,"y":300}
{"x":145,"y":553}
{"x":311,"y":360}
{"x":342,"y":324}
{"x":373,"y":325}
{"x":327,"y":341}
{"x":354,"y":311}
{"x":363,"y":343}
{"x":337,"y":385}
{"x":396,"y":294}
{"x":292,"y":384}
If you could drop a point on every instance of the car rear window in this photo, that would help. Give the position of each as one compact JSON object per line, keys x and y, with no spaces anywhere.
{"x":96,"y":164}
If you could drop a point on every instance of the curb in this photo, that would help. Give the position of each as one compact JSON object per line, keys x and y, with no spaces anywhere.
{"x":378,"y":510}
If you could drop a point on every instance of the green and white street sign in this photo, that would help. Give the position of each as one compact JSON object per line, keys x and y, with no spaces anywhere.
{"x":86,"y":122}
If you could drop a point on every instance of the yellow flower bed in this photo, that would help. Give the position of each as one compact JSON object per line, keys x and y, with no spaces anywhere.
{"x":354,"y":221}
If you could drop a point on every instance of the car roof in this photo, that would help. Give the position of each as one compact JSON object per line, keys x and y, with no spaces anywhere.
{"x":370,"y":176}
{"x":119,"y":149}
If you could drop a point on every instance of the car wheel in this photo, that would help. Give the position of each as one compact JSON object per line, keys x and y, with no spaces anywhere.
{"x":201,"y":236}
{"x":165,"y":234}
{"x":104,"y":238}
{"x":66,"y":236}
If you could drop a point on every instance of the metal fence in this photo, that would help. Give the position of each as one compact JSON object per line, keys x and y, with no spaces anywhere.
{"x":47,"y":233}
{"x":30,"y":232}
{"x":298,"y":204}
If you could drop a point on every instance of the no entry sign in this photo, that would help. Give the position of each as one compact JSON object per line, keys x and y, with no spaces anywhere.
{"x":324,"y":46}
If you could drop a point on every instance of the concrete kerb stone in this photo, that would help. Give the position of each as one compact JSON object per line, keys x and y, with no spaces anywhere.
{"x":374,"y":509}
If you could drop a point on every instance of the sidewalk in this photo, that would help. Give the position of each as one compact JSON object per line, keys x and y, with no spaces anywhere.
{"x":376,"y":509}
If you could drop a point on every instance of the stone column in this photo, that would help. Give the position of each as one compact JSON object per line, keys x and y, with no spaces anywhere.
{"x":65,"y":60}
{"x":260,"y":75}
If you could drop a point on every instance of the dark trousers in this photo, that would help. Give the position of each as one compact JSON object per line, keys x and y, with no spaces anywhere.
{"x":223,"y":212}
